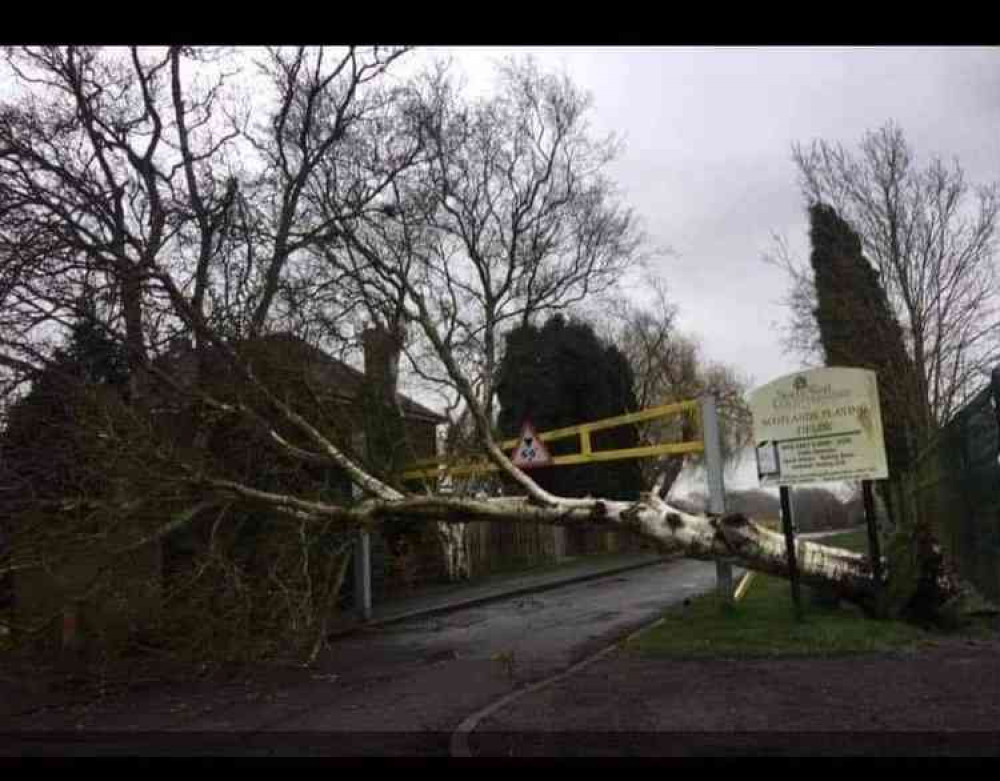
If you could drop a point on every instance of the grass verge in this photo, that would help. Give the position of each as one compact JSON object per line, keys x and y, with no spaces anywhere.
{"x":763,"y":624}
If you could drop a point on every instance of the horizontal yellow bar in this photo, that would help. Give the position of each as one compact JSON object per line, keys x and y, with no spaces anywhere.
{"x":652,"y":413}
{"x":663,"y":411}
{"x":456,"y":471}
{"x":673,"y":448}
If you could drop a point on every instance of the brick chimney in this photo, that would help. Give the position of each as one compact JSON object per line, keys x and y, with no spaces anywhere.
{"x":382,"y":348}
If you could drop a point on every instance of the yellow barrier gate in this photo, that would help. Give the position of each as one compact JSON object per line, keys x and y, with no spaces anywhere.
{"x":708,"y":441}
{"x":437,"y":467}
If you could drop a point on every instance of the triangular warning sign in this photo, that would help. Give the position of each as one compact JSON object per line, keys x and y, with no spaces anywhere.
{"x":531,"y":451}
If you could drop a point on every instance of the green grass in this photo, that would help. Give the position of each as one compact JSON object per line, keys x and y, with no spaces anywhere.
{"x":763,"y":624}
{"x":855,"y":540}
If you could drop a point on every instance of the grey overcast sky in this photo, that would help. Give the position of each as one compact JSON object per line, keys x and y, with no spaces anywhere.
{"x":708,"y":135}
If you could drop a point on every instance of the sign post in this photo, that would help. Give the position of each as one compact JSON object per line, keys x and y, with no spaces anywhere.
{"x":787,"y":525}
{"x":873,"y":546}
{"x":822,"y":425}
{"x":363,"y":575}
{"x":716,"y":487}
{"x":362,"y":568}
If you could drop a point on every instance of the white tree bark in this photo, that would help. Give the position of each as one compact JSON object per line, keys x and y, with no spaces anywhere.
{"x":732,"y":537}
{"x":456,"y":553}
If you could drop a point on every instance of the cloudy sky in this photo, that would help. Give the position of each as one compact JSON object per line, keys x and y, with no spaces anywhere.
{"x":708,"y":134}
{"x":707,"y":137}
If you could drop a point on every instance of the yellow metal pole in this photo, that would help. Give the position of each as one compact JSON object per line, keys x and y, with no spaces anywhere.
{"x":431,"y":467}
{"x":744,"y":586}
{"x":673,"y":448}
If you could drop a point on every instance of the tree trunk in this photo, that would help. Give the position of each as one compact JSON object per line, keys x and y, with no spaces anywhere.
{"x":456,"y":554}
{"x":733,"y":537}
{"x":131,"y":292}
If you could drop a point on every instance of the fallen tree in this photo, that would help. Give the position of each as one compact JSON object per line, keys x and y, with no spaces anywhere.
{"x":733,"y":537}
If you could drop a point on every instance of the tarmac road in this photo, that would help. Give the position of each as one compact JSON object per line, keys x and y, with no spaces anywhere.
{"x":543,"y":632}
{"x":427,"y":675}
{"x":399,"y":689}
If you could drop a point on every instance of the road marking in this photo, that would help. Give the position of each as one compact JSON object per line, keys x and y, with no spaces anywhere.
{"x":459,"y":745}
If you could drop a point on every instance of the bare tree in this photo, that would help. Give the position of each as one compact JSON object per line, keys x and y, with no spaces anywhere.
{"x":931,"y":235}
{"x":518,"y":217}
{"x":669,"y":367}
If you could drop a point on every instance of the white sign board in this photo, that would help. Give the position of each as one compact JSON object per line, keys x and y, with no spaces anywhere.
{"x":817,"y":426}
{"x":530,"y":450}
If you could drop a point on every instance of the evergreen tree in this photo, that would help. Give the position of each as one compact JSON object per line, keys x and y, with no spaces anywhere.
{"x":857,"y":328}
{"x":93,"y":355}
{"x":560,"y":375}
{"x":49,"y":457}
{"x":43,"y":445}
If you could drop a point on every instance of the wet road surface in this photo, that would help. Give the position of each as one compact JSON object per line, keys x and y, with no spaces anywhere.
{"x":403,"y":688}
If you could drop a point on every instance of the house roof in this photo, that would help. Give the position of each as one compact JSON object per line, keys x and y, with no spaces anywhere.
{"x":345,"y":381}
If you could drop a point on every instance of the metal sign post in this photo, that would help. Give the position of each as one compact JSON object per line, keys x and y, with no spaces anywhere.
{"x":436,"y":468}
{"x":716,"y":487}
{"x":787,"y":525}
{"x":362,"y":568}
{"x":363,"y":575}
{"x":873,"y":545}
